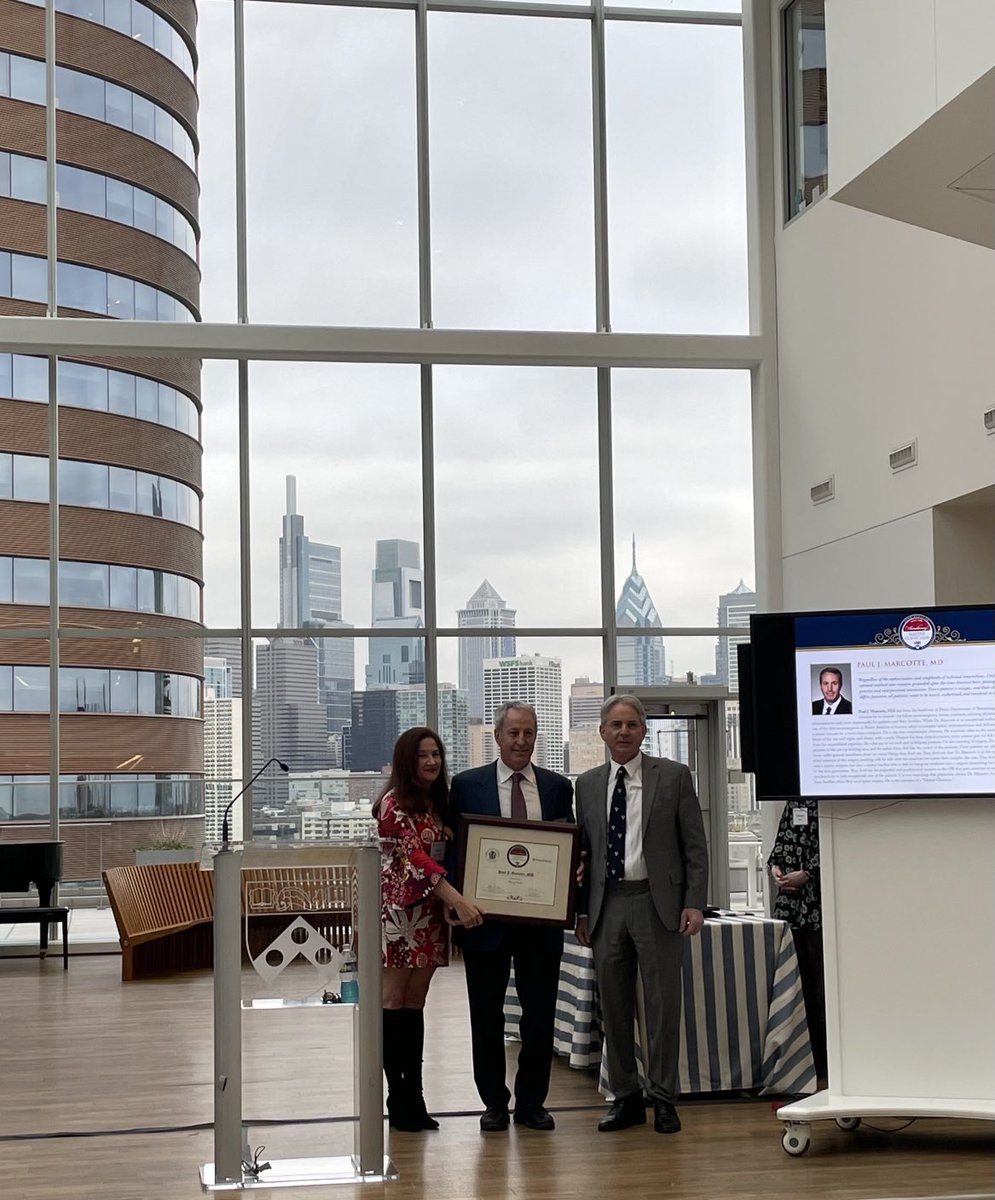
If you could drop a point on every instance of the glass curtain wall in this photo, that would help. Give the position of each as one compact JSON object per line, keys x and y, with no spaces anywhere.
{"x":394,"y":529}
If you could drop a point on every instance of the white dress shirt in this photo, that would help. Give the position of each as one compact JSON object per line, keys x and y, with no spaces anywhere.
{"x":635,"y":864}
{"x":530,"y":790}
{"x":831,"y":708}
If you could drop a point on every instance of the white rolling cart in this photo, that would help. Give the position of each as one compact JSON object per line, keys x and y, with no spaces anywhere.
{"x":908,"y":897}
{"x":284,"y":872}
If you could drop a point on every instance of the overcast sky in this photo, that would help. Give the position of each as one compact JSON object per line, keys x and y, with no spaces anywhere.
{"x":333,"y":239}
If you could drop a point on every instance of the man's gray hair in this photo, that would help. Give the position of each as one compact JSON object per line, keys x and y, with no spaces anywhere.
{"x":622,"y":698}
{"x":517,"y":705}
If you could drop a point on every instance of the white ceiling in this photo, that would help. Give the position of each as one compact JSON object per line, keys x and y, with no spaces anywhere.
{"x":942,"y":176}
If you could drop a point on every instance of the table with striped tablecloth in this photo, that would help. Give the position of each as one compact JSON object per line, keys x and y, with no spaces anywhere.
{"x":744,"y":1021}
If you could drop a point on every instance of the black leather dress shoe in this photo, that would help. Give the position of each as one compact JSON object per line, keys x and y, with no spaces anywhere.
{"x":625,"y":1112}
{"x":534,"y":1118}
{"x":666,"y":1119}
{"x":494,"y":1119}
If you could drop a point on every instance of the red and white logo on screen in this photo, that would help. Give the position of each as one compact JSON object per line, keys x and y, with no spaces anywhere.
{"x":917,"y":631}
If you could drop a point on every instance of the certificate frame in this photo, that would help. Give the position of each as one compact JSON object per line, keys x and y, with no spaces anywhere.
{"x":498,"y":884}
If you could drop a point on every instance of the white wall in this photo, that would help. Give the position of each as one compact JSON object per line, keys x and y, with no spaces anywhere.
{"x":884,"y":333}
{"x":891,"y":65}
{"x":891,"y":564}
{"x":964,"y":551}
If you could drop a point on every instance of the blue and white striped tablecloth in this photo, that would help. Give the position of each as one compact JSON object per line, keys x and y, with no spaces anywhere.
{"x":744,"y":1021}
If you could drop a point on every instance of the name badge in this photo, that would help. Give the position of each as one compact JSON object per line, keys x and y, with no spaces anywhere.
{"x":799,"y":816}
{"x":438,"y":851}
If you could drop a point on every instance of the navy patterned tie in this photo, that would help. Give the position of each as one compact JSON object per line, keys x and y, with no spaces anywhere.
{"x":616,"y":829}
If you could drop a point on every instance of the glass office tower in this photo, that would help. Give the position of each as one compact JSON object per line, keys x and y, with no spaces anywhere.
{"x":129,"y":472}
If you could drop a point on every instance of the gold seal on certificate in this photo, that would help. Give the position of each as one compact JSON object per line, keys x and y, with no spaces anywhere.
{"x":520,"y":870}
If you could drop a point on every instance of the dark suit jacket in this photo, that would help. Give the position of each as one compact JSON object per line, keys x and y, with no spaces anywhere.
{"x":674,"y":845}
{"x":475,"y":792}
{"x":843,"y":709}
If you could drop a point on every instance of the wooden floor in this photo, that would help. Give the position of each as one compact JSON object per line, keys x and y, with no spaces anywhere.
{"x":84,"y":1053}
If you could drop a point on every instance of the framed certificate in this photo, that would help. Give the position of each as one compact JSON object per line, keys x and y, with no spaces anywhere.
{"x":520,"y":870}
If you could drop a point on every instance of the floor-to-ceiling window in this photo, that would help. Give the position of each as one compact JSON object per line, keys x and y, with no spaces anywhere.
{"x":476,"y":404}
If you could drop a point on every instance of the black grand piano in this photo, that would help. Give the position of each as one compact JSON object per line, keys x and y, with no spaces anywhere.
{"x":40,"y":863}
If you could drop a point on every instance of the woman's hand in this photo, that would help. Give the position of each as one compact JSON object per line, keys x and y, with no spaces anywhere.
{"x":789,"y":881}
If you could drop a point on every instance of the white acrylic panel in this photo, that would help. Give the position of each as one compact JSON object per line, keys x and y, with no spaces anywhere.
{"x":909,"y":907}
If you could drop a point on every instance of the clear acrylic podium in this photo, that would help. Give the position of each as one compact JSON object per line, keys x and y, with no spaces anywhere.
{"x":289,"y":880}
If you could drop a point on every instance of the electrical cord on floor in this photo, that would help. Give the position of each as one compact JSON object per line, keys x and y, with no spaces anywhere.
{"x":253,"y":1168}
{"x":265,"y":1122}
{"x":897,"y":1129}
{"x":260,"y":1123}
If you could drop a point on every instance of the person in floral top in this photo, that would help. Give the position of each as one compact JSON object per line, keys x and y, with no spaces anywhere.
{"x":412,"y":815}
{"x":794,"y":867}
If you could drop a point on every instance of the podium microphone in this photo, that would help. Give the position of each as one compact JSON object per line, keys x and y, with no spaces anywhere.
{"x":225,"y":827}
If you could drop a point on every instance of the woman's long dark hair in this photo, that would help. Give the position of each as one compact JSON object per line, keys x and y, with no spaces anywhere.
{"x":403,"y":781}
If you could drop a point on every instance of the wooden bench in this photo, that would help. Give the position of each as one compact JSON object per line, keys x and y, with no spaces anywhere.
{"x":165,"y":917}
{"x":165,"y":912}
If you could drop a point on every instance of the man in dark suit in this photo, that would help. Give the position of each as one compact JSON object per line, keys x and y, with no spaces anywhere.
{"x":833,"y":702}
{"x":514,"y":789}
{"x":643,"y":891}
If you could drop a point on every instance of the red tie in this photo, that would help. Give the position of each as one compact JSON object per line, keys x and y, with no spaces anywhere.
{"x":518,"y":810}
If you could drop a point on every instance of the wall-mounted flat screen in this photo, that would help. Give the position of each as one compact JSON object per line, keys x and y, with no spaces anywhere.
{"x":883,"y":702}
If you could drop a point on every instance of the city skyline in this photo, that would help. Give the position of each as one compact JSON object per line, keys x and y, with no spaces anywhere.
{"x":516,"y":460}
{"x":634,"y":606}
{"x":516,"y":449}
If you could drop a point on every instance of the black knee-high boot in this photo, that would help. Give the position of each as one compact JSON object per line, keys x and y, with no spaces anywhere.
{"x":414,"y":1049}
{"x":399,"y":1108}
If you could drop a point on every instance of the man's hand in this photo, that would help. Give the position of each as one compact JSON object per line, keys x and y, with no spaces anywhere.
{"x":581,"y":868}
{"x":462,"y":912}
{"x":582,"y":931}
{"x":692,"y":920}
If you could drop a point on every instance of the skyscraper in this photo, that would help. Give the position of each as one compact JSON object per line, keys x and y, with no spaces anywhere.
{"x":484,"y":610}
{"x":586,"y":748}
{"x":380,"y":715}
{"x":222,"y":763}
{"x":539,"y":682}
{"x":642,"y":660}
{"x":288,"y":717}
{"x":311,"y":594}
{"x":734,"y":612}
{"x":398,"y":603}
{"x":229,"y":650}
{"x":310,"y":572}
{"x":217,"y":678}
{"x":130,"y":545}
{"x":586,"y":699}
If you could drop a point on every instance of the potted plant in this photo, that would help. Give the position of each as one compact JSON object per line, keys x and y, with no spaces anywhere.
{"x":165,"y":847}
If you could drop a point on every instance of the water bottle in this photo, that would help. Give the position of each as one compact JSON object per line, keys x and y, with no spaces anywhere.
{"x":349,"y":976}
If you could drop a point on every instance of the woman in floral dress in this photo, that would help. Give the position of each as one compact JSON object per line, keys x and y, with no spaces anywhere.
{"x":412,"y":814}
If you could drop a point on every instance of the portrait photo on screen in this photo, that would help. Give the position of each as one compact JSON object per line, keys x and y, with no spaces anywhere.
{"x":832,"y":694}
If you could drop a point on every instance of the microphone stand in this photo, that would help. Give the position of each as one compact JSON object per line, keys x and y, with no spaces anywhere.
{"x":225,"y":826}
{"x":228,"y":1136}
